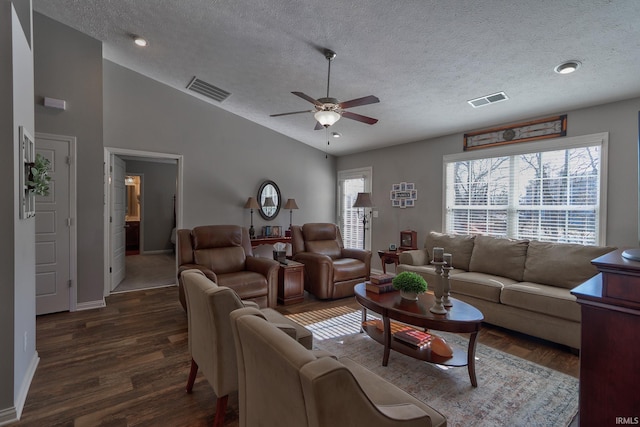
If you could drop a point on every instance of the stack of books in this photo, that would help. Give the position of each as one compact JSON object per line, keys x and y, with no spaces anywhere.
{"x":413,"y":337}
{"x":379,"y":279}
{"x":380,"y":283}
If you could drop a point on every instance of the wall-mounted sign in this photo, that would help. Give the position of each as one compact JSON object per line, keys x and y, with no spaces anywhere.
{"x":551,"y":127}
{"x":404,"y":195}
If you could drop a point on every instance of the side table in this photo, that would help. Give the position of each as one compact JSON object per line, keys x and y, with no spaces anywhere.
{"x":389,"y":257}
{"x":291,"y":283}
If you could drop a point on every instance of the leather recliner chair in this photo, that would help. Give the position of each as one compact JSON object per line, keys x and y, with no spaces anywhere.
{"x":331,"y":270}
{"x":224,"y":254}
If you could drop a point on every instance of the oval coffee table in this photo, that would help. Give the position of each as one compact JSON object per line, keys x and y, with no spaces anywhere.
{"x":460,"y":318}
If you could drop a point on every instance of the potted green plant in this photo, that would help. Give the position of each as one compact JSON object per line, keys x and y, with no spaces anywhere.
{"x":38,"y":178}
{"x":409,"y":284}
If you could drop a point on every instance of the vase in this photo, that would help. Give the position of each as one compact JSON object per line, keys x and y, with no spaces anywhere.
{"x":411,"y":296}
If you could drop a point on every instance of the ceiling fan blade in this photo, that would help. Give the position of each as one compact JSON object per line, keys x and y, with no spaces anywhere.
{"x":359,"y":118}
{"x":318,"y":126}
{"x":294,"y":112}
{"x":359,"y":101}
{"x":308,"y":98}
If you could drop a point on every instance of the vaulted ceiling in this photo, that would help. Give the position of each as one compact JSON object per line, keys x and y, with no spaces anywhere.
{"x":424,"y":59}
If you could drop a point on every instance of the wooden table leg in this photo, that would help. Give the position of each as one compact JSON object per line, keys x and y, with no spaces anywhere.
{"x":364,"y":319}
{"x":387,"y":340}
{"x":471,"y":359}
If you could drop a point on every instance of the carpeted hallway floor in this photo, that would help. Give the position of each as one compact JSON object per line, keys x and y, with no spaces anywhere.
{"x":148,"y":271}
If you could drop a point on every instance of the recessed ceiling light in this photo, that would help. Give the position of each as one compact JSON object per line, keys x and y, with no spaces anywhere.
{"x":336,"y":134}
{"x":139,"y":41}
{"x":567,"y":67}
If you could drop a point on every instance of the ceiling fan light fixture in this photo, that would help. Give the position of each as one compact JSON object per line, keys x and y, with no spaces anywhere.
{"x":326,"y":117}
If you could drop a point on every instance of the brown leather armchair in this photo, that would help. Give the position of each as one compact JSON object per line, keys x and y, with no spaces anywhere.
{"x":223,"y":253}
{"x":330,"y":269}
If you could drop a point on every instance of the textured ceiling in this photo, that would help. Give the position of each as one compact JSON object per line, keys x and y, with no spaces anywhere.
{"x":423,"y":59}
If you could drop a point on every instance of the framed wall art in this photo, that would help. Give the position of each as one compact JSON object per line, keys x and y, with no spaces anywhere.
{"x":551,"y":127}
{"x":27,"y":158}
{"x":403,"y":195}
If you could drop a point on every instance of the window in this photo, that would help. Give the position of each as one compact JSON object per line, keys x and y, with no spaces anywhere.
{"x":550,"y":191}
{"x":350,"y":183}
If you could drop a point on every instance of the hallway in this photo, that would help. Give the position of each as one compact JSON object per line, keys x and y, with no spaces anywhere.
{"x":148,"y":271}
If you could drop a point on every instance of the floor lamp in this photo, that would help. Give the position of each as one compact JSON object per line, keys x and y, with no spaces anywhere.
{"x":364,"y":201}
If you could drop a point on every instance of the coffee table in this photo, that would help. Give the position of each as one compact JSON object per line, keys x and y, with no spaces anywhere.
{"x":460,"y":318}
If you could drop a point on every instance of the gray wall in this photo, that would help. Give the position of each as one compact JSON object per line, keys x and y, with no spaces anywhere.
{"x":421,"y":163}
{"x":225,"y":156}
{"x":17,"y":246}
{"x":158,"y":187}
{"x":68,"y":65}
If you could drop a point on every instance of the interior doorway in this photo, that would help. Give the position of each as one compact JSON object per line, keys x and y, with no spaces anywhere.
{"x":127,"y":174}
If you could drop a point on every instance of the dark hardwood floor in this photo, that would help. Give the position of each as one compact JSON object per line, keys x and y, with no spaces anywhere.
{"x":127,"y":364}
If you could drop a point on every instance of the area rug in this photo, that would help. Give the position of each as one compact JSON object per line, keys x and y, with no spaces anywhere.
{"x":511,"y":391}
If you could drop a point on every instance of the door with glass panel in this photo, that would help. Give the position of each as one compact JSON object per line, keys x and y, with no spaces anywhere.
{"x":350,"y":183}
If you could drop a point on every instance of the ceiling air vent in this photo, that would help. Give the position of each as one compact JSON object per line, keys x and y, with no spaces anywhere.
{"x":208,"y":90}
{"x":489,"y":99}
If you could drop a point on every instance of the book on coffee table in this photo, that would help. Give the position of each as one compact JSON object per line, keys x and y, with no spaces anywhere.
{"x":379,"y":288}
{"x":413,"y":337}
{"x":378,"y":279}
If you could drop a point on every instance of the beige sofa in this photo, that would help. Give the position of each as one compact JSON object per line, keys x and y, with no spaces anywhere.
{"x":517,"y":284}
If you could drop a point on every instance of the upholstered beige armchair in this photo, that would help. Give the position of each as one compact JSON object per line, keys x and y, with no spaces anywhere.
{"x":224,"y":254}
{"x":211,"y":343}
{"x":331,"y":270}
{"x":283,"y":384}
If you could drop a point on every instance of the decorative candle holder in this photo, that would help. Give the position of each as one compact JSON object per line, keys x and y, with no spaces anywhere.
{"x":437,"y":307}
{"x":446,"y":288}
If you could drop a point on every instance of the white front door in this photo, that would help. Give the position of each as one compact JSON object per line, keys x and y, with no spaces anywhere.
{"x":54,"y":254}
{"x":118,"y":212}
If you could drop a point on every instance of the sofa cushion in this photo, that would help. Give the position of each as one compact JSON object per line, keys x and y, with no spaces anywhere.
{"x":544,"y":299}
{"x":324,"y":247}
{"x":499,"y":256}
{"x":460,"y":247}
{"x":479,"y":285}
{"x":247,"y":284}
{"x":348,"y":269}
{"x":221,"y":260}
{"x":561,"y":264}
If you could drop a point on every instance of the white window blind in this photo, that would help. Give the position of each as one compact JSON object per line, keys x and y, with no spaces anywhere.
{"x":549,"y":191}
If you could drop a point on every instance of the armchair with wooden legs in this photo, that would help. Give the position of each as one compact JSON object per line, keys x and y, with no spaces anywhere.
{"x":211,"y":343}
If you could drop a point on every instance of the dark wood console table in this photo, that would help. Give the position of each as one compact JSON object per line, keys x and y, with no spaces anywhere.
{"x":610,"y":350}
{"x":269,"y":240}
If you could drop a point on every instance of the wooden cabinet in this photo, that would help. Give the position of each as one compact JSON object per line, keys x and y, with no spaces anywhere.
{"x":610,"y":350}
{"x":291,"y":283}
{"x":132,"y":235}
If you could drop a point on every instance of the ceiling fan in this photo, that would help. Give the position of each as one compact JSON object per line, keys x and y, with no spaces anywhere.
{"x":329,"y":110}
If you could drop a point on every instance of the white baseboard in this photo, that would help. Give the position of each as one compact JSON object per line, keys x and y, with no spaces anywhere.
{"x":90,"y":305}
{"x":161,"y":251}
{"x":12,"y":414}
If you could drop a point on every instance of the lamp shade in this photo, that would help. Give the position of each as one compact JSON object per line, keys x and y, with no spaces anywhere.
{"x":326,"y":117}
{"x":268,"y":202}
{"x":252,"y":203}
{"x":363,"y":201}
{"x":291,"y":204}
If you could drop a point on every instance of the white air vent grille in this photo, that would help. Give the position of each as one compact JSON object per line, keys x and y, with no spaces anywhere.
{"x":489,"y":99}
{"x":208,"y":90}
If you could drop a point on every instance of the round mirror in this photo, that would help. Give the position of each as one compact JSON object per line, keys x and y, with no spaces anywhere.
{"x":269,"y":200}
